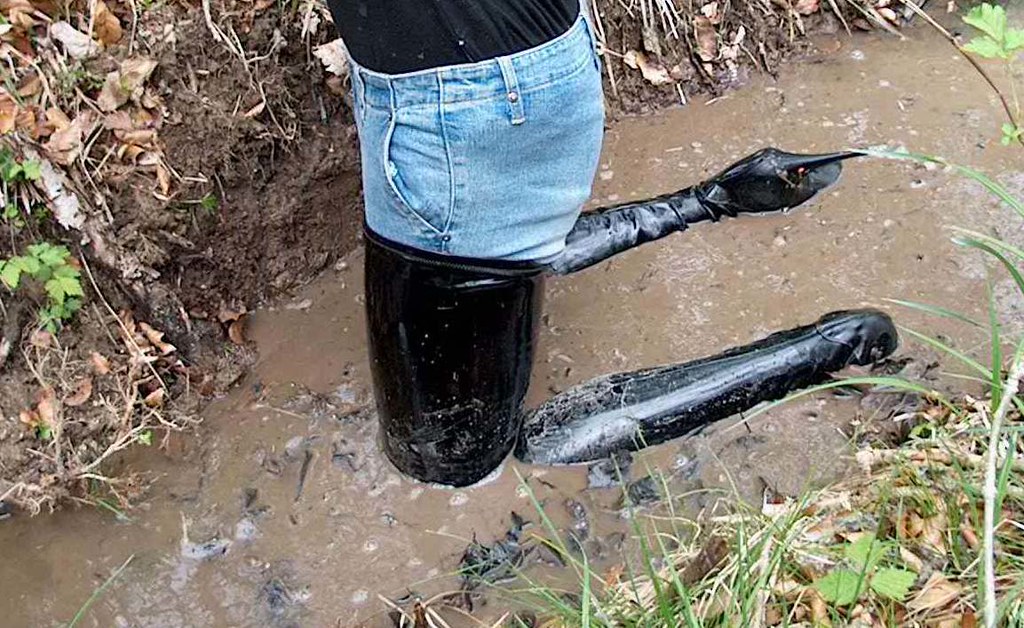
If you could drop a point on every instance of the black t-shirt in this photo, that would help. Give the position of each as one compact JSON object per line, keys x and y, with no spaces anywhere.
{"x":396,"y":36}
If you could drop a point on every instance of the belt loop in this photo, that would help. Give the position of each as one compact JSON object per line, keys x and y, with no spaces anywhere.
{"x":512,"y":96}
{"x":358,"y":86}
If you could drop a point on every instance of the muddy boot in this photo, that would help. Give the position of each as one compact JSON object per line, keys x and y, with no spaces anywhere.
{"x":629,"y":411}
{"x":769,"y":180}
{"x":451,"y":349}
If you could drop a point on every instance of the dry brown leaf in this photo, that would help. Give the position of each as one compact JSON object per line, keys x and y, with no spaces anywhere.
{"x":46,"y":406}
{"x":40,"y":339}
{"x":970,"y":536}
{"x":57,"y":119}
{"x":77,"y":44}
{"x":912,"y":560}
{"x":819,"y":610}
{"x":30,"y":85}
{"x":652,"y":71}
{"x":100,"y":364}
{"x":156,"y":338}
{"x":707,"y":38}
{"x":806,"y":7}
{"x":263,"y":5}
{"x":124,"y":84}
{"x":29,"y":417}
{"x":226,"y":315}
{"x":155,"y":399}
{"x":937,"y":593}
{"x":65,"y":145}
{"x":106,"y":27}
{"x":8,"y":113}
{"x":332,"y":56}
{"x":236,"y":332}
{"x":163,"y":178}
{"x":83,"y":391}
{"x":969,"y":620}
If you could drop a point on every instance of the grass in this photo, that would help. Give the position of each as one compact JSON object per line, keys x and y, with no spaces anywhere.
{"x":98,"y":593}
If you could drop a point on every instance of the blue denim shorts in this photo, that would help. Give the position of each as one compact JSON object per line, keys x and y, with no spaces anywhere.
{"x":490,"y":160}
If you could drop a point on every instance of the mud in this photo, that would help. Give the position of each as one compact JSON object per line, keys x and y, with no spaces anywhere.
{"x":286,"y":477}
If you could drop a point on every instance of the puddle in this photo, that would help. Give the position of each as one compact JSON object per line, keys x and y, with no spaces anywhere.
{"x":282,"y":512}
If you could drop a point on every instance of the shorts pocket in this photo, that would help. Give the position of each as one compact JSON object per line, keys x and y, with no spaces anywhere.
{"x":417,"y":167}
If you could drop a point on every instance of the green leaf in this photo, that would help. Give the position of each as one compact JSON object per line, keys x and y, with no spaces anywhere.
{"x":55,"y":289}
{"x":985,"y":47}
{"x":31,"y":170}
{"x":1014,"y":39}
{"x":989,"y":19}
{"x":44,"y":432}
{"x":865,"y":553}
{"x":10,"y":274}
{"x":146,"y":438}
{"x":28,"y":265}
{"x":53,"y":256}
{"x":893,"y":583}
{"x":841,"y":587}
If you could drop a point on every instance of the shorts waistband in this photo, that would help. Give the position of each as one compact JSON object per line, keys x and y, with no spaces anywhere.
{"x":532,"y":68}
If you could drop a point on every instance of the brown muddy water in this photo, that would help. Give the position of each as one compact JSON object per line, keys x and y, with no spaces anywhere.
{"x":285,"y":475}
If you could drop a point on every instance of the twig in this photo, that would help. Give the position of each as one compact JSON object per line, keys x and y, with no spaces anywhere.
{"x":977,"y":66}
{"x":127,"y":334}
{"x":98,"y":592}
{"x":989,"y":491}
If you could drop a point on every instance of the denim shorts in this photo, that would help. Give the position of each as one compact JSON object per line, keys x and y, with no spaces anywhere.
{"x":489,"y":160}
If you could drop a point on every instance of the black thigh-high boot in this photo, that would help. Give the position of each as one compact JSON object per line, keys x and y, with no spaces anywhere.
{"x":629,"y":411}
{"x":451,"y":349}
{"x":767,"y":181}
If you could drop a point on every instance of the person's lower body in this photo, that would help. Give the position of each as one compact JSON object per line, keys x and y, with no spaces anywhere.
{"x":474,"y":177}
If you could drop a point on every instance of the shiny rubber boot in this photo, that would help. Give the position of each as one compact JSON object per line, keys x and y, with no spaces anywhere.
{"x":630,"y":411}
{"x":767,"y":181}
{"x":451,"y":349}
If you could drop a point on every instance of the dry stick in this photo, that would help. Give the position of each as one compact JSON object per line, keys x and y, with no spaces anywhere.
{"x":989,"y":491}
{"x":977,"y":66}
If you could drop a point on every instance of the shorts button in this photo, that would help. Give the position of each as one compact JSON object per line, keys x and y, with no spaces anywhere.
{"x":513,"y":96}
{"x":446,"y":238}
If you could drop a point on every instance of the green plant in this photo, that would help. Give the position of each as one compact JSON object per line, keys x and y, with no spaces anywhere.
{"x":845,"y":585}
{"x":49,"y":267}
{"x":999,"y":40}
{"x":13,"y":173}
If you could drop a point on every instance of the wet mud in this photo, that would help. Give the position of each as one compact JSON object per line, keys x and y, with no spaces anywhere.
{"x":282,"y":512}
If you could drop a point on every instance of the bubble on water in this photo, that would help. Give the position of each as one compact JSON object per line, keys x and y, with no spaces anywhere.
{"x":360,"y":596}
{"x":458,"y":499}
{"x":858,"y":55}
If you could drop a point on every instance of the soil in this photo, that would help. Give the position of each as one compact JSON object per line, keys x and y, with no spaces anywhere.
{"x":283,"y":511}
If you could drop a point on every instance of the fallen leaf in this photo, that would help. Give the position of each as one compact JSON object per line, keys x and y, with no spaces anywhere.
{"x":125,"y":83}
{"x":106,"y":26}
{"x":163,"y":179}
{"x":83,"y":391}
{"x":100,"y":364}
{"x":155,"y":399}
{"x":46,"y":406}
{"x":156,"y":338}
{"x":64,"y":203}
{"x":236,"y":332}
{"x":29,"y":417}
{"x":806,"y":7}
{"x":65,"y":146}
{"x":653,"y":72}
{"x":226,"y":315}
{"x":30,"y":86}
{"x":8,"y":112}
{"x":710,"y":11}
{"x":333,"y":56}
{"x":707,"y":38}
{"x":968,"y":620}
{"x":935,"y":594}
{"x":75,"y":42}
{"x":40,"y":339}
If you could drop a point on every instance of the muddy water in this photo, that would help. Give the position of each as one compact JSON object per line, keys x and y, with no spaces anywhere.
{"x":307,"y":525}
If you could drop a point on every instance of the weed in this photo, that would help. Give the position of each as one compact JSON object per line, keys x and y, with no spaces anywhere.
{"x":48,"y":267}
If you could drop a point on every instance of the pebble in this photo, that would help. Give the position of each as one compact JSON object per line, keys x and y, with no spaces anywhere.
{"x":360,"y":596}
{"x":889,"y":222}
{"x":606,"y":175}
{"x":779,"y":241}
{"x":858,"y":55}
{"x":458,"y":499}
